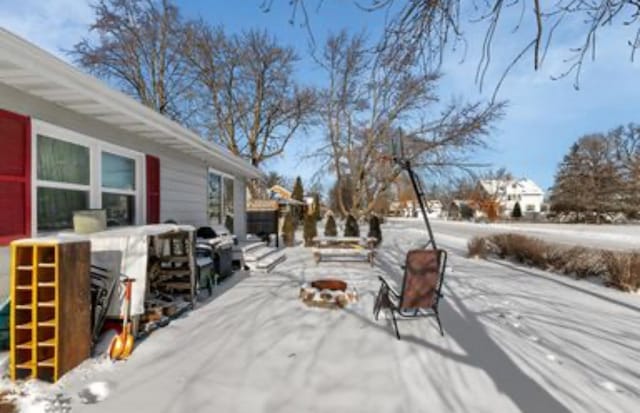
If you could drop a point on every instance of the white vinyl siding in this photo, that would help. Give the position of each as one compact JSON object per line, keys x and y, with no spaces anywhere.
{"x":183,"y":192}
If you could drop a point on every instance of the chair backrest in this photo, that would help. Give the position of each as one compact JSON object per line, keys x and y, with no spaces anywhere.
{"x":423,"y":277}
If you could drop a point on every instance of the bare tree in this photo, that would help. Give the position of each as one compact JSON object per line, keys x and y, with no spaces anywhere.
{"x":254,"y":106}
{"x":372,"y":98}
{"x":431,"y":27}
{"x":138,"y":48}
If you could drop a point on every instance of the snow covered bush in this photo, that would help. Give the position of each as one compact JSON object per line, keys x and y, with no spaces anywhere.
{"x":309,"y":230}
{"x":623,"y":269}
{"x":477,"y":247}
{"x":351,"y":228}
{"x":330,"y":229}
{"x":374,"y":229}
{"x":617,"y":269}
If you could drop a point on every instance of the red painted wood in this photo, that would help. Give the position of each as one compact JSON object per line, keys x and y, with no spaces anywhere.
{"x":15,"y":176}
{"x":153,"y":190}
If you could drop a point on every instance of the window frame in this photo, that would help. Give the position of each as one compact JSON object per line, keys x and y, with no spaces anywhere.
{"x":95,"y":189}
{"x":223,"y":194}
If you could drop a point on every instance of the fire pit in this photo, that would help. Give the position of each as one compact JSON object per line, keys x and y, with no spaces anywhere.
{"x":328,"y":293}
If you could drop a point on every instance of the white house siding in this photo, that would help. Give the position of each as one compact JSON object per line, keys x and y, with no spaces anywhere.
{"x":183,"y":179}
{"x":183,"y":192}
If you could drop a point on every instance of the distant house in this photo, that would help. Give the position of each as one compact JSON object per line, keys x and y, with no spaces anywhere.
{"x":279,"y":192}
{"x":461,"y":209}
{"x":508,"y":192}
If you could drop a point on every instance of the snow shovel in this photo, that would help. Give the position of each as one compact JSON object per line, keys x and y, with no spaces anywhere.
{"x":122,"y":345}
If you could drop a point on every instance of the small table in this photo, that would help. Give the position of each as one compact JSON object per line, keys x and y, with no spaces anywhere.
{"x":334,"y":247}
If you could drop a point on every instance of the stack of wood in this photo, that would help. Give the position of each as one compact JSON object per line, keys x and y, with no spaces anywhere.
{"x":171,"y":271}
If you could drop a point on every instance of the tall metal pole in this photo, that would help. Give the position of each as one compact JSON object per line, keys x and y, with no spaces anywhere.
{"x":417,"y":189}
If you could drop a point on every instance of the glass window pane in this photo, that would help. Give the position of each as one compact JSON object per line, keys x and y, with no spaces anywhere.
{"x":120,"y":209}
{"x":118,"y":172}
{"x":62,"y":161}
{"x":228,"y":196}
{"x":215,"y":199}
{"x":56,"y":207}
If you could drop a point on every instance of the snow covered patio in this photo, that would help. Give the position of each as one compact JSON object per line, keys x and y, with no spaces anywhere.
{"x":516,"y":340}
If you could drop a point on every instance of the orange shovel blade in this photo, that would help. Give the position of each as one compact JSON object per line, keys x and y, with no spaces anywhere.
{"x":116,"y":347}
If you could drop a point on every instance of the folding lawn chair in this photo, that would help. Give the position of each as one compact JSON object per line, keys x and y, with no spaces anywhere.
{"x":421,"y":288}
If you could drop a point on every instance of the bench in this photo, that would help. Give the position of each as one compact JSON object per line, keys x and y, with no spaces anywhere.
{"x":343,"y":247}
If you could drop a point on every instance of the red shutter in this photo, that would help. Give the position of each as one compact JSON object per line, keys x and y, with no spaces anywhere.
{"x":15,"y":177}
{"x":153,"y":190}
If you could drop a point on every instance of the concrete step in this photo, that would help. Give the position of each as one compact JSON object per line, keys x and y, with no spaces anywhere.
{"x":268,"y":262}
{"x":258,"y":254}
{"x":252,"y":246}
{"x":271,"y":261}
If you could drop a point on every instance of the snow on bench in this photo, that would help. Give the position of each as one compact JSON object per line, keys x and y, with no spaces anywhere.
{"x":328,"y":253}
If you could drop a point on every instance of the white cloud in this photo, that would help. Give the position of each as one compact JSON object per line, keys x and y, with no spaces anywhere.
{"x":54,"y":25}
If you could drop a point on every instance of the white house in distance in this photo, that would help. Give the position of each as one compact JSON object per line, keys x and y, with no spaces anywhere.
{"x":69,"y":142}
{"x":509,"y":192}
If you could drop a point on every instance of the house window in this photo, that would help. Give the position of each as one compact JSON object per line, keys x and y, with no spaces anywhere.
{"x":64,"y":177}
{"x":220,"y":195}
{"x":531,"y":208}
{"x":215,"y":199}
{"x":76,"y":172}
{"x":228,"y":197}
{"x":118,"y":189}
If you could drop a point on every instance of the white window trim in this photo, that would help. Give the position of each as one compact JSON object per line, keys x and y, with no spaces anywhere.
{"x":95,"y":188}
{"x":222,"y":191}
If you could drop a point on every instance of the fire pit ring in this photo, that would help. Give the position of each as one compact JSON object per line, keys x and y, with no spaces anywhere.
{"x":331,"y":284}
{"x":328,"y":293}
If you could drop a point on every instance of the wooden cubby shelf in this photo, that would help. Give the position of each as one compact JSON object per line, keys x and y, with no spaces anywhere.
{"x":50,"y":307}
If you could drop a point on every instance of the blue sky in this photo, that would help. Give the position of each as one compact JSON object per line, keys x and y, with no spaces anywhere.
{"x":543,"y":119}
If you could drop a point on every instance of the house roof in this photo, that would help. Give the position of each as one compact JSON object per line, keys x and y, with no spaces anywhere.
{"x":28,"y":68}
{"x":281,"y":191}
{"x":524,"y":186}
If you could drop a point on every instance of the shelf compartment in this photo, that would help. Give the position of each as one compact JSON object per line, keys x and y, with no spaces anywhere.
{"x":47,"y":343}
{"x":50,"y":362}
{"x":25,"y":346}
{"x":23,"y":297}
{"x":46,"y":275}
{"x":46,"y":255}
{"x":27,"y":365}
{"x":47,"y":323}
{"x":24,"y":256}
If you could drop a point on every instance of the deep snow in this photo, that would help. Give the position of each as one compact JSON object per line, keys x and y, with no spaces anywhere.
{"x":517,"y":339}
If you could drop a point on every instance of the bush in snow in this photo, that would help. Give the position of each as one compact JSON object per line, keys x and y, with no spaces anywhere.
{"x":330,"y":229}
{"x":310,"y":231}
{"x":517,"y":211}
{"x":623,"y":269}
{"x":617,"y":269}
{"x":374,"y":229}
{"x":351,"y":228}
{"x":288,"y":230}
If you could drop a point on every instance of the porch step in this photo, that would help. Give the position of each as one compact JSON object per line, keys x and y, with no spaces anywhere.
{"x":271,"y":261}
{"x":258,"y":254}
{"x":253,"y":246}
{"x":267,"y":262}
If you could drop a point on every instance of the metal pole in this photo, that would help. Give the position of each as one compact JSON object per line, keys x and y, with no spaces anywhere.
{"x":418,"y":192}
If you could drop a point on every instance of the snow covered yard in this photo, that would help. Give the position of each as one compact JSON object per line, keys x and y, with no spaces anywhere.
{"x":516,"y":340}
